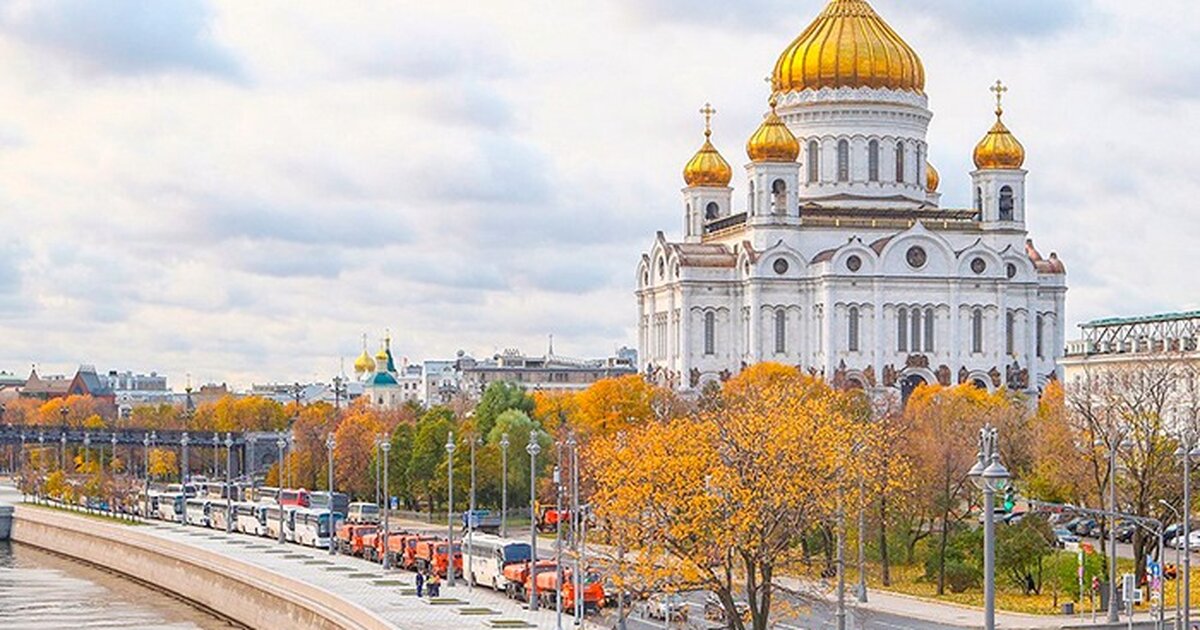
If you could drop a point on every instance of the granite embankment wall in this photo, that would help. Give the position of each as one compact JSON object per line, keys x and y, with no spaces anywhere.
{"x":241,"y":591}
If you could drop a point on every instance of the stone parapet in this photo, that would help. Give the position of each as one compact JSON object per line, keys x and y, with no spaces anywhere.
{"x":241,"y":591}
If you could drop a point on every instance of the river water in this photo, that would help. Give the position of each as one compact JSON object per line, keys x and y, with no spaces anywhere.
{"x":42,"y":591}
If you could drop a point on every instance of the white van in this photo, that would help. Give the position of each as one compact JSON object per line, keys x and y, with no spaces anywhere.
{"x":363,"y":513}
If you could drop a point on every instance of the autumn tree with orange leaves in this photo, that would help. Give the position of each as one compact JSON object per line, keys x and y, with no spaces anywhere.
{"x":718,"y":499}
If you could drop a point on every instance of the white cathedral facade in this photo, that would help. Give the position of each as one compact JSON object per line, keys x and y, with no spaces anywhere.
{"x":837,"y":257}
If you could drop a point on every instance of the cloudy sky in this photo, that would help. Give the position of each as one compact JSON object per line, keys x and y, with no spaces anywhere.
{"x":238,"y":190}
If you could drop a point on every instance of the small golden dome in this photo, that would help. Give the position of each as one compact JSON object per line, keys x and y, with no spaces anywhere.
{"x":848,"y":45}
{"x":932,"y":178}
{"x":773,"y":141}
{"x":381,"y":358}
{"x":364,"y":364}
{"x":707,"y":167}
{"x":999,"y":149}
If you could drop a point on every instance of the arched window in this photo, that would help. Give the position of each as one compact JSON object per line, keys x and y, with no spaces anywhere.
{"x":929,"y":330}
{"x":779,"y":197}
{"x":1010,"y":325}
{"x":977,"y":330}
{"x":852,"y":325}
{"x":843,"y":161}
{"x":900,"y":162}
{"x":979,"y":200}
{"x":902,"y":330}
{"x":873,"y":161}
{"x":1040,"y":323}
{"x":915,"y":317}
{"x":814,"y":162}
{"x":712,"y":211}
{"x":710,"y":333}
{"x":780,"y":331}
{"x":1006,"y":203}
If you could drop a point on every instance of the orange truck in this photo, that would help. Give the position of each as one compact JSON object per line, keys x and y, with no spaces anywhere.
{"x":516,"y":578}
{"x":403,"y":548}
{"x":350,"y":537}
{"x":548,"y":588}
{"x":548,"y":518}
{"x":431,"y":555}
{"x":372,"y":544}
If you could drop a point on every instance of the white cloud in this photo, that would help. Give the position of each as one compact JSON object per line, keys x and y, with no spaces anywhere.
{"x":237,"y":190}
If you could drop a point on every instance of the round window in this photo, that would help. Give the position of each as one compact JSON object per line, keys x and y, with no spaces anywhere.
{"x":854,"y":263}
{"x":916,"y":257}
{"x":781,"y":266}
{"x":1011,"y":270}
{"x":978,"y":265}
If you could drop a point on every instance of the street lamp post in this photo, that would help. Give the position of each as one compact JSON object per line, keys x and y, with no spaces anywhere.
{"x":989,"y":476}
{"x":470,"y":520}
{"x":558,"y":493}
{"x":533,"y":448}
{"x":387,"y":508}
{"x":450,"y":447}
{"x":575,"y":522}
{"x":378,"y":472}
{"x":1187,"y":450}
{"x":183,"y":473}
{"x":1117,"y":444}
{"x":62,"y":452}
{"x":281,"y":443}
{"x":41,"y":464}
{"x":87,"y":445}
{"x":229,"y":483}
{"x":862,"y":540}
{"x":217,"y":455}
{"x":146,"y":450}
{"x":504,"y":444}
{"x":330,"y":443}
{"x":1178,"y":591}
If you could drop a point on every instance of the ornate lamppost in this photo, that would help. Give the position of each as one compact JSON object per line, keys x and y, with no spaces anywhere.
{"x":990,"y":476}
{"x":504,"y":444}
{"x":330,"y":443}
{"x":450,"y":447}
{"x":533,"y":448}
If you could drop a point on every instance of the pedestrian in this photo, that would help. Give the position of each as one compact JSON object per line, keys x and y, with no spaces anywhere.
{"x":435,"y":585}
{"x":420,"y":584}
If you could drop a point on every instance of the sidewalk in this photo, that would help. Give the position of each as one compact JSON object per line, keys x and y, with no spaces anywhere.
{"x":966,"y":616}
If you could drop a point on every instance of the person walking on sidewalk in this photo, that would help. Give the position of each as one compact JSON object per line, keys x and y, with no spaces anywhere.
{"x":435,"y":585}
{"x":420,"y":584}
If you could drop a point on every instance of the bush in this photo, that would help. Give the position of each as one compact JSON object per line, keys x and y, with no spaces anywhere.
{"x":961,"y":576}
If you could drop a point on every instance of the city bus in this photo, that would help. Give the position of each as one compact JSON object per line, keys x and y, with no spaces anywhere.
{"x":321,"y":501}
{"x":196,"y":512}
{"x":486,"y":556}
{"x":218,"y":514}
{"x":313,"y":527}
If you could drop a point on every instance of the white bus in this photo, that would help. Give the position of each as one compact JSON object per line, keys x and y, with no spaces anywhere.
{"x":483,"y":560}
{"x":250,"y":518}
{"x":170,"y":507}
{"x":363,"y":513}
{"x":272,"y":515}
{"x":196,"y":512}
{"x":218,"y":514}
{"x":313,"y":527}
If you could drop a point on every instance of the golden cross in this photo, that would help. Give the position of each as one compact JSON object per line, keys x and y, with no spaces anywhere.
{"x":999,"y":89}
{"x":708,"y":112}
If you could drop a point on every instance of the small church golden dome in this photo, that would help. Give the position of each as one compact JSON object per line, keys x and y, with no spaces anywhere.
{"x":849,"y":45}
{"x":999,"y":149}
{"x":932,"y":178}
{"x":707,"y":167}
{"x":773,"y":141}
{"x":364,"y":364}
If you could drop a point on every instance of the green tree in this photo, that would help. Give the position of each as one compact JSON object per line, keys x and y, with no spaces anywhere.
{"x":429,"y":452}
{"x":500,"y":396}
{"x":399,"y":483}
{"x":1021,"y":550}
{"x":518,"y":425}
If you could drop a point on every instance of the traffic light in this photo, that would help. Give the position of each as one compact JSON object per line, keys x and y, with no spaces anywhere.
{"x":1010,"y":499}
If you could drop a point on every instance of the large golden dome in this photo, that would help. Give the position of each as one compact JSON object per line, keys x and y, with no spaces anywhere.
{"x":848,"y":45}
{"x":999,"y":149}
{"x":932,"y":178}
{"x":707,"y":167}
{"x":773,"y":141}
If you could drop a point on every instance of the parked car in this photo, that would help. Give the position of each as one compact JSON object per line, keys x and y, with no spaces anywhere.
{"x":1094,"y":530}
{"x":1125,"y":531}
{"x":714,"y":611}
{"x":1080,"y":526}
{"x":667,"y":607}
{"x":1062,"y":536}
